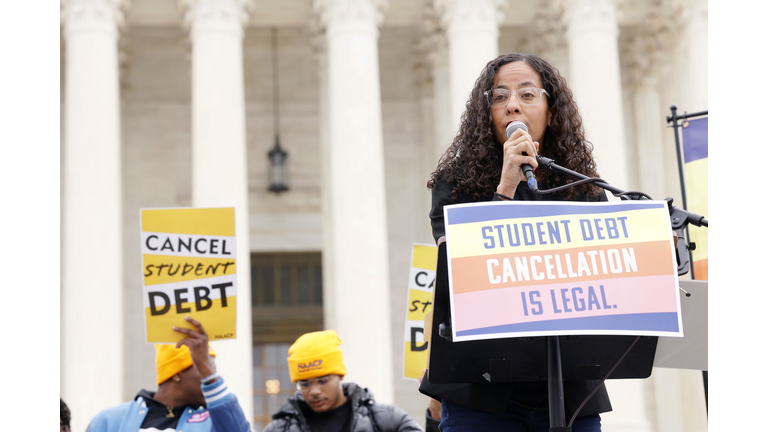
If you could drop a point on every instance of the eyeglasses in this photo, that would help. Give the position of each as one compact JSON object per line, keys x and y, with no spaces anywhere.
{"x":307,"y":384}
{"x":526,"y":96}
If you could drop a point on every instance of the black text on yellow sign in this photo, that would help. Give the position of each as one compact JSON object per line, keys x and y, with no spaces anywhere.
{"x":189,"y":269}
{"x":160,"y":269}
{"x":160,"y":302}
{"x":421,"y":281}
{"x":210,"y":301}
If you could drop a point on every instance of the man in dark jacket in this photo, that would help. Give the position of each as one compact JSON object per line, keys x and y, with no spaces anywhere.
{"x":323,"y":403}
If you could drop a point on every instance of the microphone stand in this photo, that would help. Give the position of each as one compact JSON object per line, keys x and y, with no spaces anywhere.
{"x":679,"y":218}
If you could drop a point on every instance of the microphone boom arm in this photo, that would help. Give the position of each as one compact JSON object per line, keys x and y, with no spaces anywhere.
{"x":680,"y":218}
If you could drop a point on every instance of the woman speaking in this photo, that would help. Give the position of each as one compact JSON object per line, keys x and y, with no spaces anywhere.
{"x":484,"y":164}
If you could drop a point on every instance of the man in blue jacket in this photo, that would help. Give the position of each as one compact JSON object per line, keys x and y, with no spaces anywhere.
{"x":191,"y":396}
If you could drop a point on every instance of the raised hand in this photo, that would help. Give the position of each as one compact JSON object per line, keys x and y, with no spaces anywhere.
{"x":197,"y":342}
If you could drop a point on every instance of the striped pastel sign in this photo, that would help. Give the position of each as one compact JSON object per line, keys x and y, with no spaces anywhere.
{"x":533,"y":269}
{"x":188,"y":269}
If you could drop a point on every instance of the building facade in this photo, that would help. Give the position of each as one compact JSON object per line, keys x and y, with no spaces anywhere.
{"x":177,"y":103}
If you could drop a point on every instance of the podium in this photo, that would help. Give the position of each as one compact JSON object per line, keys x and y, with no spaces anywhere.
{"x":689,"y":352}
{"x":551,"y":359}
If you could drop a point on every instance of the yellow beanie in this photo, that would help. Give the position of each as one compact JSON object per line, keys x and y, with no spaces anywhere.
{"x":314,"y":355}
{"x":170,"y":361}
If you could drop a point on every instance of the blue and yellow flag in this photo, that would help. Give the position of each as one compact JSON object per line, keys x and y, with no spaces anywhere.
{"x":695,"y":151}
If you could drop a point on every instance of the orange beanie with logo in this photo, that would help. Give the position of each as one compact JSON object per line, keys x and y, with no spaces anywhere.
{"x":314,"y":355}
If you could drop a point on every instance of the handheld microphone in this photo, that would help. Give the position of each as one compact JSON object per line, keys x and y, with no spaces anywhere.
{"x":527,"y":169}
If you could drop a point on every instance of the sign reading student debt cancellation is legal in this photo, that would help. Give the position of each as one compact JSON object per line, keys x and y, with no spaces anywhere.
{"x":188,"y":266}
{"x":532,"y":269}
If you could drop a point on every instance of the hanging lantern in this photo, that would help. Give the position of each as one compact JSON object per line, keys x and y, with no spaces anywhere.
{"x":278,"y":169}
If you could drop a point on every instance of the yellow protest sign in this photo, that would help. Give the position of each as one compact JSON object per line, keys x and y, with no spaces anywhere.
{"x":188,"y":258}
{"x":420,"y":284}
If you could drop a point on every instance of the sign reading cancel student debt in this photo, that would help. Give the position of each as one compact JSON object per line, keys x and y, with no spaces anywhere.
{"x":188,"y":264}
{"x":421,"y":282}
{"x":561,"y":268}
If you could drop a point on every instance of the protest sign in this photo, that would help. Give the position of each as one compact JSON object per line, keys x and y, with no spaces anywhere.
{"x":421,"y":281}
{"x":188,"y":268}
{"x":561,"y":268}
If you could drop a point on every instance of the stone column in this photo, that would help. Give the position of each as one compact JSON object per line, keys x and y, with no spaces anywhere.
{"x":320,"y":52}
{"x":668,"y":403}
{"x":356,"y":183}
{"x":434,"y":87}
{"x":434,"y":48}
{"x":672,"y":78}
{"x":645,"y":54}
{"x":91,"y":255}
{"x":422,"y":72}
{"x":472,"y":27}
{"x":628,"y":401}
{"x":696,"y":37}
{"x":219,"y":169}
{"x":546,"y":35}
{"x":445,"y":127}
{"x":649,"y":133}
{"x":596,"y":83}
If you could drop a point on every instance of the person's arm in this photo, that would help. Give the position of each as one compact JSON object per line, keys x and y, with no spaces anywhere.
{"x":433,"y":416}
{"x":270,"y":427}
{"x":441,"y":197}
{"x":225,"y":410}
{"x":433,"y":411}
{"x":404,"y":422}
{"x":222,"y":404}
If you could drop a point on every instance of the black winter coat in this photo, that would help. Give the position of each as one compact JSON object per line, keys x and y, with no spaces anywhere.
{"x":368,"y":415}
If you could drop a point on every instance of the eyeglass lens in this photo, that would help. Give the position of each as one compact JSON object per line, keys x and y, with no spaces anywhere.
{"x":307,"y":384}
{"x":526,"y":96}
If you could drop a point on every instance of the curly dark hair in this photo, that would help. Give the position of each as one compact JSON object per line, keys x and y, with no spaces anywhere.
{"x":64,"y":416}
{"x":472,"y":164}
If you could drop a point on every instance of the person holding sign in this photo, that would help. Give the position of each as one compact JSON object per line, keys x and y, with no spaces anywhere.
{"x":323,"y":403}
{"x":484,"y":164}
{"x":191,"y":395}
